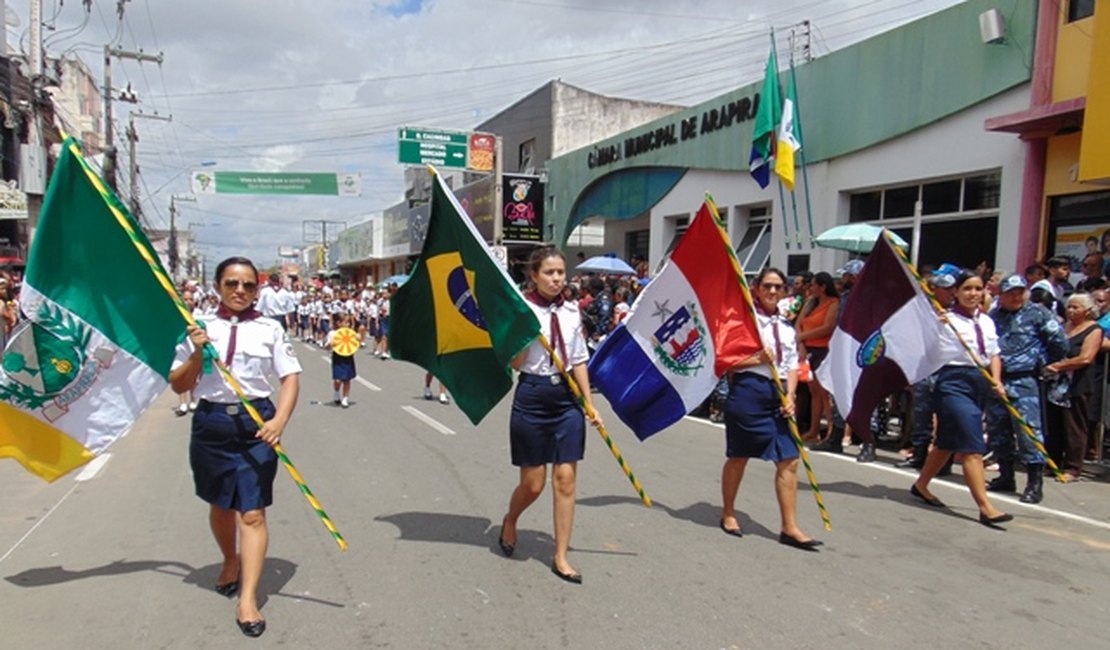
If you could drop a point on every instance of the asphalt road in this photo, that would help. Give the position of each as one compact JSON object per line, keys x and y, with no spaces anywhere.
{"x":121,"y":557}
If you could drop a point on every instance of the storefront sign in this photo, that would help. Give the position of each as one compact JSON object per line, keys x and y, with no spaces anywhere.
{"x":523,"y":209}
{"x":481,"y":152}
{"x":667,"y":135}
{"x":13,"y":202}
{"x":477,"y":200}
{"x":356,"y":244}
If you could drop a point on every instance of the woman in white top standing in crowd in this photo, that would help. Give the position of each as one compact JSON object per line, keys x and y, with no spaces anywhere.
{"x":547,"y":424}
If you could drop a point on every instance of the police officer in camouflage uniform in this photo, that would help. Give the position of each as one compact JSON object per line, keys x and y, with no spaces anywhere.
{"x":1029,"y":337}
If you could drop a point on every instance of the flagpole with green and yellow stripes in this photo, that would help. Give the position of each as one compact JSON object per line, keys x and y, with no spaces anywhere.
{"x":159,"y":273}
{"x":590,"y":413}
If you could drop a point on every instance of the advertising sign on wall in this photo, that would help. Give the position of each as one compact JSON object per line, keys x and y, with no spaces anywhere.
{"x":482,"y":147}
{"x":523,"y":210}
{"x":477,"y":200}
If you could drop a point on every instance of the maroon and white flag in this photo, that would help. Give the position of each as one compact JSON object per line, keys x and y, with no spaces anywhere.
{"x":889,"y":337}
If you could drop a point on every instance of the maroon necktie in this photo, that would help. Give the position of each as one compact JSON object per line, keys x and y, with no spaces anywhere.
{"x":979,"y":338}
{"x":250,"y":313}
{"x":778,"y":341}
{"x":557,"y":340}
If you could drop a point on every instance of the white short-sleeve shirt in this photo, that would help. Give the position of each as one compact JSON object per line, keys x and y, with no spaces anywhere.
{"x":787,"y":341}
{"x":965,"y":326}
{"x":536,"y":359}
{"x":262,"y":352}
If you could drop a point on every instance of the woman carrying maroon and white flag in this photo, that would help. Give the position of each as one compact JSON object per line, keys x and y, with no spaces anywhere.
{"x":963,"y":392}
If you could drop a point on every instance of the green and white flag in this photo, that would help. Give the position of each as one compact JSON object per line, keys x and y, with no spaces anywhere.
{"x":96,"y":348}
{"x":459,"y":316}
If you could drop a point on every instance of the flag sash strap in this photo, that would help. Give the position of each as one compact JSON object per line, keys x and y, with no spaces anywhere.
{"x":591,"y":413}
{"x":794,"y":433}
{"x":167,"y":285}
{"x":1025,"y":427}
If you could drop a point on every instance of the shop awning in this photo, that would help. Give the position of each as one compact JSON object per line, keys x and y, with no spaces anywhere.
{"x":1042,"y":121}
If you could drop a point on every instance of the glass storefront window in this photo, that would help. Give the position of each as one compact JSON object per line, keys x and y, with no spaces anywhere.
{"x":982,"y":192}
{"x":940,"y":198}
{"x":864,"y":206}
{"x":899,"y":202}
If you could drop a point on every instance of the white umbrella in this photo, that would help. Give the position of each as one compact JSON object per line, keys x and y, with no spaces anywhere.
{"x":855,"y":237}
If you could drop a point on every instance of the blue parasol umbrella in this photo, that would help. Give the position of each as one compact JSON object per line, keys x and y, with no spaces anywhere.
{"x":394,"y":279}
{"x":610,"y":264}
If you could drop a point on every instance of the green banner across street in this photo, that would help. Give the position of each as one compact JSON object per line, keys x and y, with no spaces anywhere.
{"x":326,"y":184}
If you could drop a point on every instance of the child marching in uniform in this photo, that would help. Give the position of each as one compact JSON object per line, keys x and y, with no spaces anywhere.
{"x":342,"y":365}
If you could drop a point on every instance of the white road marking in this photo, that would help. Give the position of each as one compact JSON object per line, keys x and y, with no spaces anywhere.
{"x":39,"y":522}
{"x":372,"y":387}
{"x":848,"y":458}
{"x":427,"y":419}
{"x":93,"y":468}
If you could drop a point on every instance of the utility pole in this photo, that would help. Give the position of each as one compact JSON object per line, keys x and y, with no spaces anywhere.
{"x":323,"y":237}
{"x":133,"y":138}
{"x":171,"y":254}
{"x":33,"y":163}
{"x":110,"y":153}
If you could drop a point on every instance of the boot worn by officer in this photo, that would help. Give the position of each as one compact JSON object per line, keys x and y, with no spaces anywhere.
{"x":833,"y":443}
{"x":866,"y":453}
{"x":916,"y":461}
{"x":1004,"y":482}
{"x":1034,"y":487}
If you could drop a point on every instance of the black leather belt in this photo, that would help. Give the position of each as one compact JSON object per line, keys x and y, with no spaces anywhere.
{"x":234,"y":408}
{"x":554,"y":380}
{"x":1019,"y":374}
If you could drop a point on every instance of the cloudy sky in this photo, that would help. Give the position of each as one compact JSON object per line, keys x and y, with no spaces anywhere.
{"x":322,"y":86}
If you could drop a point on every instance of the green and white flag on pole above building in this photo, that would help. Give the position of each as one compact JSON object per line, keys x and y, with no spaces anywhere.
{"x":96,"y":348}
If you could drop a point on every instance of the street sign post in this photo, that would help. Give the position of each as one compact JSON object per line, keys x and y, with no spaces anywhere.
{"x":420,"y":146}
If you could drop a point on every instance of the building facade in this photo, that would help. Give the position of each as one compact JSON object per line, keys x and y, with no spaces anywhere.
{"x":892,"y":132}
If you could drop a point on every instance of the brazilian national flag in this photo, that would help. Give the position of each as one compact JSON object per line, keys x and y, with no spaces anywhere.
{"x":459,"y":316}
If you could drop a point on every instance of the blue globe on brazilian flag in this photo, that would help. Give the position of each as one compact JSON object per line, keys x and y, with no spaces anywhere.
{"x":459,"y":316}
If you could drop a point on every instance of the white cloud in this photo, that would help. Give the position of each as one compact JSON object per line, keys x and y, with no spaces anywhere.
{"x":322,"y":86}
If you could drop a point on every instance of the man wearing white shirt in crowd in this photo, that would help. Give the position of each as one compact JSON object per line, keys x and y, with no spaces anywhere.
{"x":270,"y":303}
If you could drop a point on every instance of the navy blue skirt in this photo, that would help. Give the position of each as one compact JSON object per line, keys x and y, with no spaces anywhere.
{"x":754,"y":426}
{"x":962,"y":392}
{"x":231,"y":468}
{"x":546,"y":425}
{"x":342,"y":368}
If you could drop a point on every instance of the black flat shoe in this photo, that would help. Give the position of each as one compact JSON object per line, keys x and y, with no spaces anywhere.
{"x":251,"y":628}
{"x":506,"y":547}
{"x":734,"y":532}
{"x":929,"y":501}
{"x":575,"y":578}
{"x":808,"y":545}
{"x":993,"y":522}
{"x":228,"y":590}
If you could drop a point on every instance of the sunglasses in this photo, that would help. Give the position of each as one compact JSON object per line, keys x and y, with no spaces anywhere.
{"x":772,"y":286}
{"x":235,"y":284}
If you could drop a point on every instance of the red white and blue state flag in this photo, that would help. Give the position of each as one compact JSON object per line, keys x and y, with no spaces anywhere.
{"x":888,"y":337}
{"x":688,"y":327}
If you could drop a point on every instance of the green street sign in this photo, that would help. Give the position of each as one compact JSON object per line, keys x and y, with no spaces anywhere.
{"x":204,"y":182}
{"x":417,"y":146}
